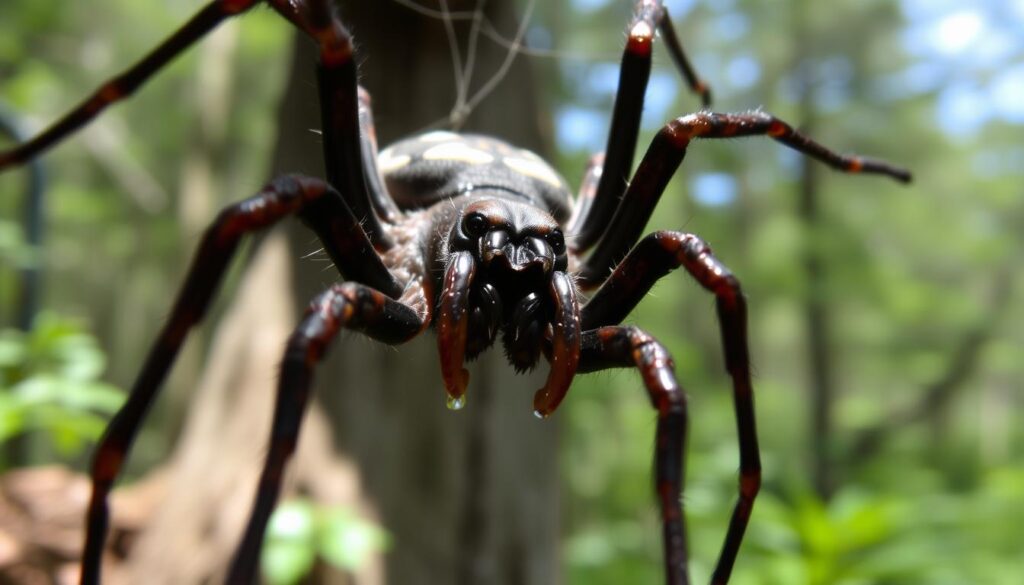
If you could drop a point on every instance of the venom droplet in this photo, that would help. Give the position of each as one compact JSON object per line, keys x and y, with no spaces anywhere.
{"x":456,"y":403}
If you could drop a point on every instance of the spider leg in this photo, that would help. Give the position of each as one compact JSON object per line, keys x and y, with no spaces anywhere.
{"x":634,"y":73}
{"x":614,"y":347}
{"x":675,"y":49}
{"x":343,"y":306}
{"x":345,"y":121}
{"x":585,"y":196}
{"x":120,"y":87}
{"x":338,"y":90}
{"x":383,"y":204}
{"x":664,"y":156}
{"x":654,"y":257}
{"x":127,"y":82}
{"x":323,"y":210}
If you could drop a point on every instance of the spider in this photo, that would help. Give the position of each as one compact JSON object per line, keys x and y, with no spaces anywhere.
{"x":474,"y":238}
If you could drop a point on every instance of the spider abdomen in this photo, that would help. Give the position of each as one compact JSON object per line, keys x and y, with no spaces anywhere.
{"x":435,"y":166}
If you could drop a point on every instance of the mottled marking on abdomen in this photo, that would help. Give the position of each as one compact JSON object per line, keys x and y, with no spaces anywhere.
{"x":435,"y":166}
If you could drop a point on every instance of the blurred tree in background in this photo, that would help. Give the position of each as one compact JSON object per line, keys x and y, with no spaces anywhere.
{"x":884,"y":320}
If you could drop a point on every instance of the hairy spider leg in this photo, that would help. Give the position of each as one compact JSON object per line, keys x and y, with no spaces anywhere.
{"x":344,"y":306}
{"x":667,"y":151}
{"x":123,"y":85}
{"x":616,"y":347}
{"x":283,"y":197}
{"x":654,"y":257}
{"x":343,"y":136}
{"x":634,"y":72}
{"x":339,"y":101}
{"x":127,"y":82}
{"x":345,"y":241}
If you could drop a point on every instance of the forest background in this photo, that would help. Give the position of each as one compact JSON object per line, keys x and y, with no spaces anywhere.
{"x":885,"y":321}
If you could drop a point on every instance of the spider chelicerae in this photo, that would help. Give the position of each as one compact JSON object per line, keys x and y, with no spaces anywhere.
{"x":478,"y":239}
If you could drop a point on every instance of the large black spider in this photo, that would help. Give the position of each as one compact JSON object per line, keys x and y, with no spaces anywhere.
{"x":475,"y":237}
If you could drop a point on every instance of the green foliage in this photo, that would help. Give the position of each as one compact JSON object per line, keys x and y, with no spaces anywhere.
{"x":49,"y":384}
{"x":14,"y":252}
{"x":860,"y":537}
{"x":300,"y":532}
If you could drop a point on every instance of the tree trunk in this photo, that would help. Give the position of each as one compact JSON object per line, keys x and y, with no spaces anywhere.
{"x":817,"y":320}
{"x":467,"y":497}
{"x":817,"y":307}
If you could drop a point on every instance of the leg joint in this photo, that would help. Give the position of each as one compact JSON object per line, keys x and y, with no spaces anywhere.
{"x":106,"y":463}
{"x":729,"y":286}
{"x":750,"y":483}
{"x":236,"y":6}
{"x":363,"y":300}
{"x":657,"y":369}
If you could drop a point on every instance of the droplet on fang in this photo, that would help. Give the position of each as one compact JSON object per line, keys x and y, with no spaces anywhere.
{"x":539,"y":415}
{"x":456,"y":403}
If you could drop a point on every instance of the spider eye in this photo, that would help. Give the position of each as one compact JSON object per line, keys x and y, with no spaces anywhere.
{"x":475,"y":225}
{"x":557,"y":241}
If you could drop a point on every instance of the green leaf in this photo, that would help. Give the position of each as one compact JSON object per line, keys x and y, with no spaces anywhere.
{"x":286,"y":562}
{"x":12,"y":416}
{"x":347,"y":541}
{"x":289,"y":550}
{"x":294,"y":521}
{"x":12,"y":348}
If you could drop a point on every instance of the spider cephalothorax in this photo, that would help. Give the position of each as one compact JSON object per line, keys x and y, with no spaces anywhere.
{"x":468,"y":234}
{"x":506,"y":270}
{"x":494,"y":231}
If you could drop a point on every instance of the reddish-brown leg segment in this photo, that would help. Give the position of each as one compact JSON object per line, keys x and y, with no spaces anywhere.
{"x":339,"y":109}
{"x":635,"y":71}
{"x":126,"y":83}
{"x":675,"y":49}
{"x":122,"y":86}
{"x":666,"y":153}
{"x":338,"y":92}
{"x":655,"y":256}
{"x":617,"y":347}
{"x":343,"y":306}
{"x":321,"y":207}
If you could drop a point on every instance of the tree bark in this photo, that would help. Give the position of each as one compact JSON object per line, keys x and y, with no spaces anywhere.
{"x":468,"y":497}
